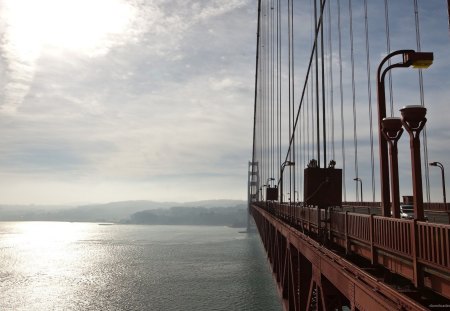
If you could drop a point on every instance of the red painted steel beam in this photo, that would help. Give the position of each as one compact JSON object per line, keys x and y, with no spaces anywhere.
{"x":360,"y":288}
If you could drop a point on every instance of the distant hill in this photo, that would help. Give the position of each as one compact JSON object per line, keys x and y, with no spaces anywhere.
{"x":108,"y":212}
{"x":220,"y":216}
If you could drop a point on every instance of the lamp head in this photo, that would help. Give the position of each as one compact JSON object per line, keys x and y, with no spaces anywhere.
{"x":414,"y":115}
{"x":418,"y":59}
{"x":392,"y":127}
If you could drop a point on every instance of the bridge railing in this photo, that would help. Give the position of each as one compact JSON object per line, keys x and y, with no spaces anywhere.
{"x":434,"y":244}
{"x":420,"y":242}
{"x":430,"y":207}
{"x":393,"y":234}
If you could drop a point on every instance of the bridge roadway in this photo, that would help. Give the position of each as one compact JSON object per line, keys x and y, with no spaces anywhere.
{"x":325,"y":260}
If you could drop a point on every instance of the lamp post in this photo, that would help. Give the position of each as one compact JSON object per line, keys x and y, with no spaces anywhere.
{"x":280,"y":182}
{"x":439,"y":164}
{"x":361,"y":188}
{"x":413,"y":119}
{"x":392,"y":130}
{"x":410,"y":58}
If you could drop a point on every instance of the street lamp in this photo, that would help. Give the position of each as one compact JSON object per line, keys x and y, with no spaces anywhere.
{"x":413,"y":119}
{"x":280,"y":182}
{"x":359,"y":179}
{"x":392,"y":130}
{"x":410,"y":58}
{"x":439,"y":164}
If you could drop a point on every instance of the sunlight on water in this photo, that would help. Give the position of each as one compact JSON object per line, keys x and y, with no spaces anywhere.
{"x":76,"y":266}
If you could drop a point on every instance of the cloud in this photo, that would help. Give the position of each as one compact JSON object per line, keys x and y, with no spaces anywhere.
{"x":158,"y":101}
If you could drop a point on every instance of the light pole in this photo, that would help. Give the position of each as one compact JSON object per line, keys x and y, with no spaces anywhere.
{"x":280,"y":182}
{"x":439,"y":164}
{"x":392,"y":131}
{"x":410,"y":58}
{"x":413,"y":119}
{"x":360,"y":180}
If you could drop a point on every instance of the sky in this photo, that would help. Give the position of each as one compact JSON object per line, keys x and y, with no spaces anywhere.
{"x":112,"y":100}
{"x":352,"y":150}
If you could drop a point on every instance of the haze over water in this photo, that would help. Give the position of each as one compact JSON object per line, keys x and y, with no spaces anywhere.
{"x":86,"y":266}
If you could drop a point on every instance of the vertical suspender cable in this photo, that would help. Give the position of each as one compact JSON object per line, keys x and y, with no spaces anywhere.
{"x":422,"y":103}
{"x":341,"y":91}
{"x":293,"y":95}
{"x":272,"y":98}
{"x":388,"y":49}
{"x":278,"y":93}
{"x":352,"y":56}
{"x":280,"y":79}
{"x":330,"y":46}
{"x":369,"y":94}
{"x":269,"y":65}
{"x":256,"y":84}
{"x":302,"y":97}
{"x":290,"y":90}
{"x":263,"y":99}
{"x":324,"y":134}
{"x":313,"y":129}
{"x":317,"y":88}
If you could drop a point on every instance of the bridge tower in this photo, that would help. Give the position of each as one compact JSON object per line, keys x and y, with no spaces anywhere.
{"x":253,"y":189}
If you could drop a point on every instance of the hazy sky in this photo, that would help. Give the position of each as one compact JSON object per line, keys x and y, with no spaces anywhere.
{"x":106,"y":100}
{"x":112,"y":100}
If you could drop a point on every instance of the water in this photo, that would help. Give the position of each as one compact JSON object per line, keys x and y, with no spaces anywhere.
{"x":84,"y":266}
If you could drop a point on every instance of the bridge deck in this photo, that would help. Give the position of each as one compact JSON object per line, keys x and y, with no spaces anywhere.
{"x":414,"y":254}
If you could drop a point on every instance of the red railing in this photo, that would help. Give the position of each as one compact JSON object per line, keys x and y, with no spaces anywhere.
{"x":358,"y":226}
{"x":431,"y":207}
{"x":393,"y":234}
{"x":421,"y":242}
{"x":434,"y":243}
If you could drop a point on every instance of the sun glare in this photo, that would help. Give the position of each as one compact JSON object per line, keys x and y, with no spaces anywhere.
{"x":76,"y":25}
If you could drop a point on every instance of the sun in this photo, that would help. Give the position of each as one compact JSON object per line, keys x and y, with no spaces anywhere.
{"x":82,"y":26}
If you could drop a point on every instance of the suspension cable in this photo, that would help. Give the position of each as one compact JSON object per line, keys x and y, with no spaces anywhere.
{"x":388,"y":50}
{"x":316,"y":62}
{"x":341,"y":91}
{"x":330,"y":46}
{"x":256,"y":83}
{"x":352,"y":56}
{"x":422,"y":103}
{"x":369,"y":94}
{"x":293,"y":92}
{"x":324,"y":127}
{"x":278,"y":87}
{"x":313,"y":50}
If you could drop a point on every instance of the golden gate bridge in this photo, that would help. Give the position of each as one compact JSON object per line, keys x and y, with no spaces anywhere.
{"x":339,"y":122}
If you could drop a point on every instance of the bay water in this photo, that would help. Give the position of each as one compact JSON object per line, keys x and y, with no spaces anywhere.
{"x":88,"y":266}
